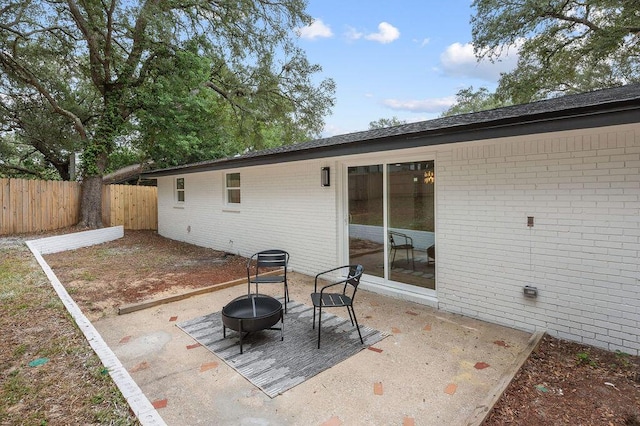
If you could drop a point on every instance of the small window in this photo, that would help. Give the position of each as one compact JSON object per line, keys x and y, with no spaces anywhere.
{"x":232,"y":184}
{"x":180,"y":190}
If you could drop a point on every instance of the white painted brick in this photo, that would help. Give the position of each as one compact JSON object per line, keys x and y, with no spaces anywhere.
{"x":584,"y":192}
{"x":281,"y":207}
{"x":598,"y":341}
{"x":627,"y":346}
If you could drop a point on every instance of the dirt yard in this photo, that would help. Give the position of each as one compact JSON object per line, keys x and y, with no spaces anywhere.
{"x":561,"y":383}
{"x":572,"y":384}
{"x":141,"y":266}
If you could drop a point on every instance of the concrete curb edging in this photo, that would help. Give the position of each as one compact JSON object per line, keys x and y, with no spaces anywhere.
{"x":140,"y":405}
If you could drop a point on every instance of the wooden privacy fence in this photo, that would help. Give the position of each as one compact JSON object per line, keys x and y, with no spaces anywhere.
{"x":134,"y":207}
{"x":38,"y":205}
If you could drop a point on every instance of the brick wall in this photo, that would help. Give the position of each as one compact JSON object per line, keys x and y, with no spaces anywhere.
{"x":282,"y":206}
{"x":583,"y":190}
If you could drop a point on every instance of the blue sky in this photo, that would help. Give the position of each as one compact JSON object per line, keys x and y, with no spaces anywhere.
{"x":398,"y":58}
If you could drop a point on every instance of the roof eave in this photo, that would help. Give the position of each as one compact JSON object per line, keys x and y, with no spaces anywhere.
{"x":590,"y":116}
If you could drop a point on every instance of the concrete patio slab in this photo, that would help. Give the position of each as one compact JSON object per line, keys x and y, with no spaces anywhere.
{"x":434,"y":368}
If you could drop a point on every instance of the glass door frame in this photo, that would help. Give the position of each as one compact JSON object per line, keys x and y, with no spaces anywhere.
{"x":367,"y":160}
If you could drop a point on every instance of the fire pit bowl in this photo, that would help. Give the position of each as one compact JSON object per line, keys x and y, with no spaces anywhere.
{"x":254,"y":312}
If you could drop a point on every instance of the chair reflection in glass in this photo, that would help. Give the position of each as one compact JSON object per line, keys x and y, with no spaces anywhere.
{"x":400,"y":241}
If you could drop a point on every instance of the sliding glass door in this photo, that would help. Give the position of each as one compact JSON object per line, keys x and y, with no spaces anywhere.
{"x":391,"y":221}
{"x":366,"y":218}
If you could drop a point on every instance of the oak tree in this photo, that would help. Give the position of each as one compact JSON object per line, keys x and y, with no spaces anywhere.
{"x":136,"y":73}
{"x":470,"y":100}
{"x":381,"y":123}
{"x":565,"y":46}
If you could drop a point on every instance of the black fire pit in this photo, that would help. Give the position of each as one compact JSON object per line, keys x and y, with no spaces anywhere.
{"x":254,"y":312}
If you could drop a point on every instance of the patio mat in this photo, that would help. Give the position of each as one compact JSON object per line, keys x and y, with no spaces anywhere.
{"x":274,"y":365}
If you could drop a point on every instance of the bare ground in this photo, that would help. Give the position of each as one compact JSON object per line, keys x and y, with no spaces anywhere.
{"x":140,"y":266}
{"x":572,"y":384}
{"x":561,"y":383}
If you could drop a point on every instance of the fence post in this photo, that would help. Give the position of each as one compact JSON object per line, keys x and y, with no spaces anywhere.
{"x":106,"y":205}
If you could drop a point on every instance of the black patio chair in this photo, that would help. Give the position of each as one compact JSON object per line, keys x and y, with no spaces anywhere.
{"x":268,"y":267}
{"x":344,"y":298}
{"x":431,"y":254}
{"x":399,"y":241}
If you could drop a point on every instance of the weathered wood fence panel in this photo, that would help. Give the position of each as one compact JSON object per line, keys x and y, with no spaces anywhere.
{"x":134,"y":207}
{"x":37,"y":205}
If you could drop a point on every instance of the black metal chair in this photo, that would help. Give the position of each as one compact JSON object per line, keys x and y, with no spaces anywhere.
{"x":431,"y":254}
{"x":344,"y":298}
{"x":399,"y":241}
{"x":268,"y":267}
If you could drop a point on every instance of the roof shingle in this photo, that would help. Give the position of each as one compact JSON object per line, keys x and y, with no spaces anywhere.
{"x":570,"y":106}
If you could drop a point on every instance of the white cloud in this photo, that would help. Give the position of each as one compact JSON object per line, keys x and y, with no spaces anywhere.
{"x":422,"y":42}
{"x":386,"y":33}
{"x":421,"y":105}
{"x":458,"y":60}
{"x":353,"y":34}
{"x":317,"y":29}
{"x":334,"y":130}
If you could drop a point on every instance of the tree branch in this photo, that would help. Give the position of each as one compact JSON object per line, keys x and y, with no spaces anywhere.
{"x":20,"y":169}
{"x":574,"y":19}
{"x":226,"y":95}
{"x":138,"y":37}
{"x":94,"y":59}
{"x":27,"y":77}
{"x":108,"y":60}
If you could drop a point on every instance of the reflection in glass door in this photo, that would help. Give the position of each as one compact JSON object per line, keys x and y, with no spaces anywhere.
{"x":407,"y":229}
{"x":366,"y":230}
{"x":411,"y":223}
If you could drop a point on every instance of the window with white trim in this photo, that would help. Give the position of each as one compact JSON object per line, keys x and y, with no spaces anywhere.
{"x":232,"y":188}
{"x":179,"y":190}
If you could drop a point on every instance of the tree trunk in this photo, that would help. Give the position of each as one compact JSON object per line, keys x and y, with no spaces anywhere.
{"x":91,"y":202}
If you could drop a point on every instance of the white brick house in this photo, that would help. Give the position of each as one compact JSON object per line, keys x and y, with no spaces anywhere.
{"x":570,"y":167}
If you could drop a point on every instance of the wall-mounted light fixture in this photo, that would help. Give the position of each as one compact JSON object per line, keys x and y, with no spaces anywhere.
{"x":429,"y":177}
{"x":325,"y":176}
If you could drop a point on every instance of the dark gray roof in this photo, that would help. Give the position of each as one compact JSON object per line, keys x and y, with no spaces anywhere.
{"x":593,"y":109}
